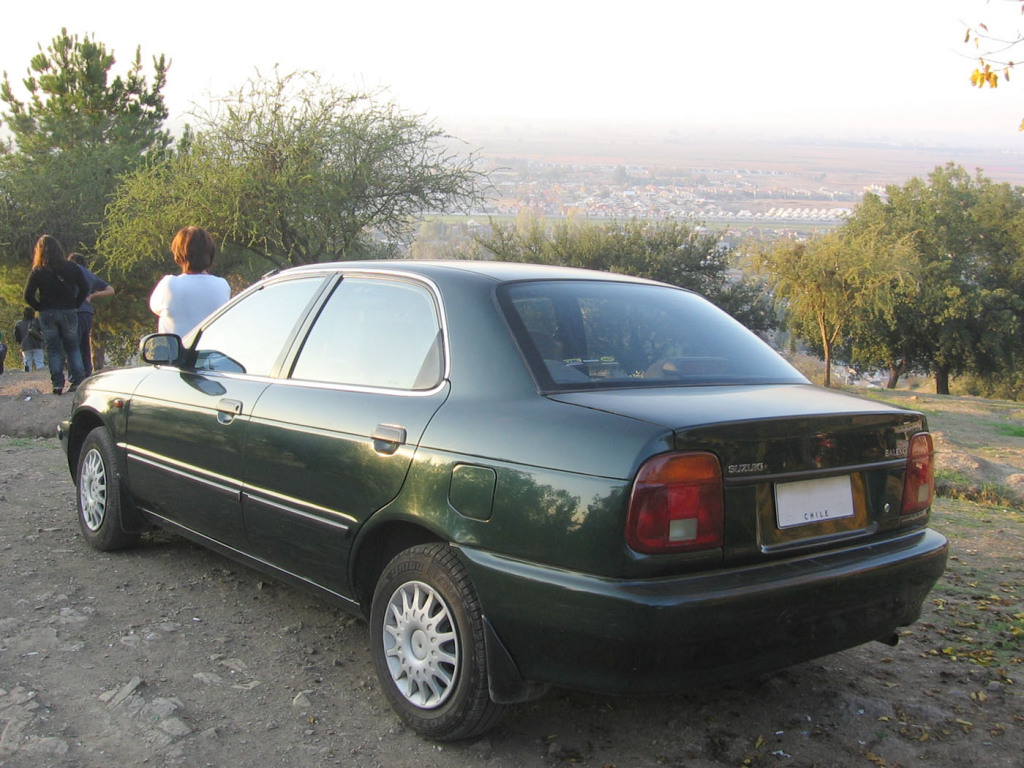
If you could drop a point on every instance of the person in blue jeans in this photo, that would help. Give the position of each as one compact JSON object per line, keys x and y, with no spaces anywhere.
{"x":97,"y":289}
{"x":56,"y":289}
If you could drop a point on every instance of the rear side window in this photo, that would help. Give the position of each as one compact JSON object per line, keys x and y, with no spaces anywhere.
{"x":380,"y":333}
{"x":592,"y":335}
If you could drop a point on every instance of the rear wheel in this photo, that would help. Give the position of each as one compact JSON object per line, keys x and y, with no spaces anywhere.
{"x":98,"y":486}
{"x":427,"y":640}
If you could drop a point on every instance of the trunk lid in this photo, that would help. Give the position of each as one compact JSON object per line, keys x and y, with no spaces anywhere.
{"x":803,"y":467}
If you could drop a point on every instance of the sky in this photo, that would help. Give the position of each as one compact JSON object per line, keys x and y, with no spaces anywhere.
{"x":869,"y":68}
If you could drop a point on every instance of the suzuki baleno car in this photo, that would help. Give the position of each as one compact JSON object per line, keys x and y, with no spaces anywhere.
{"x":521,"y":476}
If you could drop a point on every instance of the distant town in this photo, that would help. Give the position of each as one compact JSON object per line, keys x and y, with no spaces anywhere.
{"x":741,"y":183}
{"x":708,"y":195}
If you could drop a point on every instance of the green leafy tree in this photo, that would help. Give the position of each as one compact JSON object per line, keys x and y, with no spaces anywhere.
{"x":672,"y":252}
{"x":71,"y":137}
{"x":290,"y":170}
{"x":962,"y":313}
{"x":877,"y":335}
{"x":73,"y":131}
{"x":824,"y":285}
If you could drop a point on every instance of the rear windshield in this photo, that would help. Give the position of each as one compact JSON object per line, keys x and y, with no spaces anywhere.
{"x":596,"y":335}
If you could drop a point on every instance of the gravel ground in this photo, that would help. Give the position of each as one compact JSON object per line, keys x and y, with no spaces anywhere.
{"x":170,"y":655}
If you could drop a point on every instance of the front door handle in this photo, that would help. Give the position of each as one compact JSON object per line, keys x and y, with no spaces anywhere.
{"x":388,"y":438}
{"x":227,"y":409}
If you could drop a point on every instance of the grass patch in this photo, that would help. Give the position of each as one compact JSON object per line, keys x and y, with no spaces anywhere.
{"x":955,"y":485}
{"x":1009,"y":430}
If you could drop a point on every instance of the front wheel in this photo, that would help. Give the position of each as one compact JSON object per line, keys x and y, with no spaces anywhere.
{"x":98,"y":486}
{"x":427,"y":641}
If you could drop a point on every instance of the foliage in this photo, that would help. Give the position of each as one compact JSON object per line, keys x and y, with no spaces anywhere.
{"x":674,"y":253}
{"x":290,"y":170}
{"x":11,"y":306}
{"x":78,"y":129}
{"x":1007,"y":384}
{"x":825,"y":285}
{"x":962,"y":311}
{"x":73,"y":136}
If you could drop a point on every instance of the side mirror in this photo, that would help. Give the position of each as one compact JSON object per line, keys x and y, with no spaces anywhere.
{"x":161,"y":349}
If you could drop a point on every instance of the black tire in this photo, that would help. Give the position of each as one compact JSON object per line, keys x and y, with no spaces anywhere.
{"x":427,"y":642}
{"x":101,"y":507}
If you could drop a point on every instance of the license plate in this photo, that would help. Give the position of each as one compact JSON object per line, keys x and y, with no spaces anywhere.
{"x":813,"y":501}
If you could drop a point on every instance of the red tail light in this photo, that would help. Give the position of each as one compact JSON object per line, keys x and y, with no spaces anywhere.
{"x":919,"y":480}
{"x":677,"y":504}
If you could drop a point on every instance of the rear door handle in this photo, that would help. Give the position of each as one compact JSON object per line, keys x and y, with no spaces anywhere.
{"x":388,"y":438}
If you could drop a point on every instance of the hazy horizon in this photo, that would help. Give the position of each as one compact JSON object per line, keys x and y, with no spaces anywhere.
{"x":876,"y":70}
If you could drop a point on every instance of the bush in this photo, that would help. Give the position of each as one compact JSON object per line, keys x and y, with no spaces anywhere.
{"x":1008,"y":385}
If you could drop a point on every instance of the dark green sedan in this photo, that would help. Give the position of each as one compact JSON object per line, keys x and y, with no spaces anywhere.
{"x":521,"y":476}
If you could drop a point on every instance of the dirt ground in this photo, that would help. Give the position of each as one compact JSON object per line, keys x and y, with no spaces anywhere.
{"x":171,"y":655}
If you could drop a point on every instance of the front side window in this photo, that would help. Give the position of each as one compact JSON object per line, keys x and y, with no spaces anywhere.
{"x":594,"y":334}
{"x":250,"y":335}
{"x":374,"y":332}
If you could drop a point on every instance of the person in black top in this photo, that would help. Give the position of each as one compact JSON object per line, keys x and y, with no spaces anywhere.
{"x":56,"y":288}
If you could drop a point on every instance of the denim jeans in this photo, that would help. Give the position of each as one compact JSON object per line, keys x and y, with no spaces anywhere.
{"x":85,"y":340}
{"x":33,"y":359}
{"x":60,"y":332}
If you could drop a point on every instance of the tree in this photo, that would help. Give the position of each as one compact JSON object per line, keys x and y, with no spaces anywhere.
{"x":877,"y":336}
{"x":290,"y":170}
{"x":73,"y":136}
{"x":672,"y":252}
{"x":962,"y":312}
{"x":823,"y":285}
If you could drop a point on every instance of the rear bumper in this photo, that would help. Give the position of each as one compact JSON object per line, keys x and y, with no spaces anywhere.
{"x":660,"y":635}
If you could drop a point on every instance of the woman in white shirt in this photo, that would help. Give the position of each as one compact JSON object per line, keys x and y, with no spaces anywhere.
{"x":183,"y":301}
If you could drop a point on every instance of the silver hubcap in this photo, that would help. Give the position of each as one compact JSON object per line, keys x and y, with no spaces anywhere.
{"x":92,"y":490}
{"x":420,"y":645}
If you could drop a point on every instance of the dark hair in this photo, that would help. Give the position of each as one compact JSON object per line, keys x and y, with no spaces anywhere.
{"x":48,"y":253}
{"x":28,"y":313}
{"x":78,"y":258}
{"x":193,"y":249}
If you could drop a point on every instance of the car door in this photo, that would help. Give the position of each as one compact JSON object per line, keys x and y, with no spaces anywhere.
{"x":331,"y":444}
{"x":186,"y":427}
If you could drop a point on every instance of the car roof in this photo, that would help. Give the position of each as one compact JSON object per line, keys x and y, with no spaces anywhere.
{"x":496,"y":271}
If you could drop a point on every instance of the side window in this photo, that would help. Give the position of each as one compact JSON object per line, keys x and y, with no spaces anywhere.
{"x":249,"y":336}
{"x":374,"y":333}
